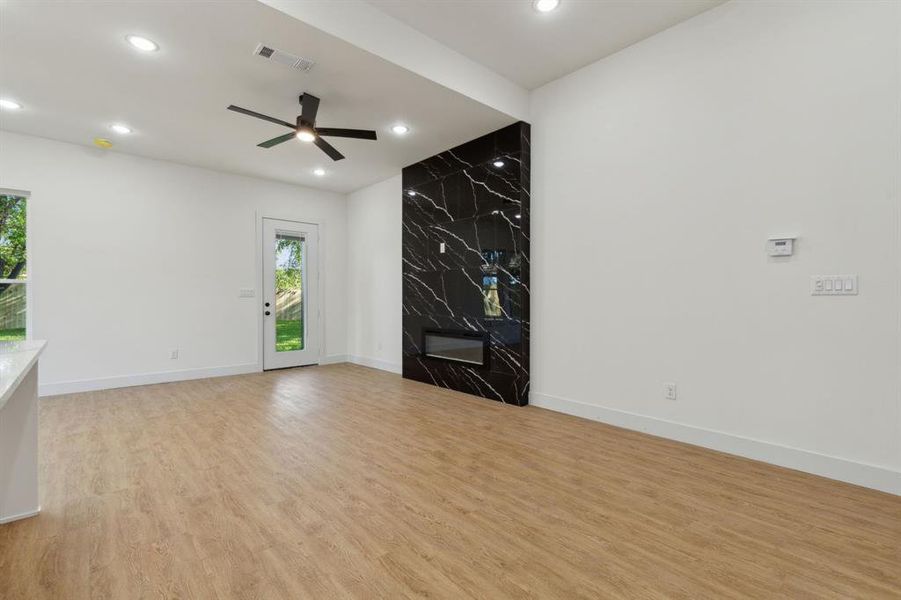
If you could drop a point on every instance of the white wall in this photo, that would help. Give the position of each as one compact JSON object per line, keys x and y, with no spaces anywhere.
{"x":658,"y":174}
{"x":131,"y":257}
{"x":374,"y":275}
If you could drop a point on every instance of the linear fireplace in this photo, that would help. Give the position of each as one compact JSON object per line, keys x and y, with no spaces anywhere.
{"x":469,"y":347}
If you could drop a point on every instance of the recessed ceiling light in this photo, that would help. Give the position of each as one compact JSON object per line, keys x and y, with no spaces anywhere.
{"x":400,"y":129}
{"x":120,"y":128}
{"x":319,"y":172}
{"x":545,"y":5}
{"x":9,"y":104}
{"x":306,"y":135}
{"x":141,"y":43}
{"x":411,"y":193}
{"x":498,"y":163}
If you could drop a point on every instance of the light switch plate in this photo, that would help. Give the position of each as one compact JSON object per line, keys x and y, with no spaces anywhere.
{"x":833,"y":285}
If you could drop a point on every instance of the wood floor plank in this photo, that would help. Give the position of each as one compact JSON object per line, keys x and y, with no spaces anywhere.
{"x":347,"y":482}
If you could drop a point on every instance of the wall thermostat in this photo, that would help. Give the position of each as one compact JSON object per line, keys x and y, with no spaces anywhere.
{"x":781,"y":246}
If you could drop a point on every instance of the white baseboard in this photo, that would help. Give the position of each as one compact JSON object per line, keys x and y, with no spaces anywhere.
{"x":863,"y":474}
{"x":24,"y":515}
{"x":332,"y":359}
{"x":105,"y":383}
{"x":375,"y":363}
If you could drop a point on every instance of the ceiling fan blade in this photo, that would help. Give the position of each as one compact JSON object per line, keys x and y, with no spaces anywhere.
{"x":309,"y":106}
{"x":360,"y":134}
{"x":328,"y":148}
{"x":251,"y":113}
{"x":276,"y":141}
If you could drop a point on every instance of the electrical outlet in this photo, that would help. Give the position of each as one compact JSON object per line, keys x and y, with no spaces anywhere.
{"x":173,"y":353}
{"x":669,"y":391}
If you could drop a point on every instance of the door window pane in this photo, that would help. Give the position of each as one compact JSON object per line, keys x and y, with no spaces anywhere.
{"x":289,"y":309}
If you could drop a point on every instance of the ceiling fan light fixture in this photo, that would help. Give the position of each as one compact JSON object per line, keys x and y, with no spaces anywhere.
{"x":306,"y":135}
{"x":545,"y":5}
{"x":305,"y":130}
{"x":141,"y":43}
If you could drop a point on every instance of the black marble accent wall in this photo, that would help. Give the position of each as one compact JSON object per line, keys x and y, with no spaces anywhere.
{"x":466,"y":264}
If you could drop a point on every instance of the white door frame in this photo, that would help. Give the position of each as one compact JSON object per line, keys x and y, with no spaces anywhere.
{"x":261,"y":274}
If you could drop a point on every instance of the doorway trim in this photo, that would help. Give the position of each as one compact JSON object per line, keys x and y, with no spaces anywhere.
{"x":322,"y":224}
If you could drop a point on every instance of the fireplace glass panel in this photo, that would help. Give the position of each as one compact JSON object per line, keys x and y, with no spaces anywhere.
{"x":455,"y":346}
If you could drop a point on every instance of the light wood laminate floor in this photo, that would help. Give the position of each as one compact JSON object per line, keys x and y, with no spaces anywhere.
{"x":342,"y":481}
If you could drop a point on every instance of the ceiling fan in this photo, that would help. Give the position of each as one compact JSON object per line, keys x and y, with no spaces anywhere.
{"x":305,"y":129}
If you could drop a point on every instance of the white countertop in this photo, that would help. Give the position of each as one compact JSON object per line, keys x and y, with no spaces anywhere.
{"x":16,"y":358}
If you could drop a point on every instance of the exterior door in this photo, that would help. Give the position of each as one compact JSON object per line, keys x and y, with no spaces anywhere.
{"x":290,"y":294}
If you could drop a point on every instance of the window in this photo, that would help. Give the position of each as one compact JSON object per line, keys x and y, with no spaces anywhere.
{"x":13,"y":268}
{"x":289,"y":250}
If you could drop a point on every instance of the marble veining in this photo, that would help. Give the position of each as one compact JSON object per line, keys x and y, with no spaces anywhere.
{"x":465,"y":259}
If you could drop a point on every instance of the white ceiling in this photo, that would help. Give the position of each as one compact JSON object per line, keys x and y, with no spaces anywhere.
{"x":532,"y":48}
{"x":68,"y":64}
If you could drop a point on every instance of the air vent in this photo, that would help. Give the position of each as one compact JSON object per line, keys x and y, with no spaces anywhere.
{"x":280,"y":56}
